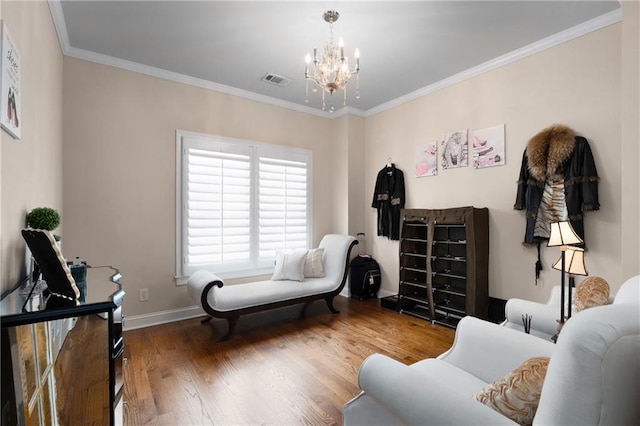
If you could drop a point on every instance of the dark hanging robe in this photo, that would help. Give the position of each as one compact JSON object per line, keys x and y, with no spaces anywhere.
{"x":558,"y":181}
{"x":388,"y":199}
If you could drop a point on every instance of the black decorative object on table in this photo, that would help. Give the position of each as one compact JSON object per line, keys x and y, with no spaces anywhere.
{"x":526,"y":322}
{"x":61,"y":287}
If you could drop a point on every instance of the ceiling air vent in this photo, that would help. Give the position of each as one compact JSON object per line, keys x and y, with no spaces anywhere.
{"x":278,"y":80}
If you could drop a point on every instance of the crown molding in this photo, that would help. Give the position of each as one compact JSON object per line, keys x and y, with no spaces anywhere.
{"x":531,"y":49}
{"x":60,"y":24}
{"x":188,"y":80}
{"x":350,"y":111}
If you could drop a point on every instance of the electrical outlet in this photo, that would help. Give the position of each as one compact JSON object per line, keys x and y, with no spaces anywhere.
{"x":144,"y":294}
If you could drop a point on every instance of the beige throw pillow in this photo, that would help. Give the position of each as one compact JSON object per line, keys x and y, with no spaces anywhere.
{"x":594,"y":291}
{"x":516,"y":396}
{"x":313,"y":265}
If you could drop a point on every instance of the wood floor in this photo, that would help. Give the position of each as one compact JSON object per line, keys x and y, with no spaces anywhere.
{"x":278,"y":368}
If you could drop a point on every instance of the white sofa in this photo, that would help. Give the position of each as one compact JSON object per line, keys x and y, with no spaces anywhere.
{"x":593,"y":377}
{"x":544,"y":322}
{"x":231,"y":301}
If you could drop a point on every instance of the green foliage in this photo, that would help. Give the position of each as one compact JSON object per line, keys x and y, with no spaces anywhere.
{"x":43,"y":218}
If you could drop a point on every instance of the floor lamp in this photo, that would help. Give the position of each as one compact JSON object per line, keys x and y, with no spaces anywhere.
{"x":562,"y":235}
{"x":574,"y":265}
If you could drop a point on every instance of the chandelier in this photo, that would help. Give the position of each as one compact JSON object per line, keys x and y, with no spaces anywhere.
{"x":330,"y":71}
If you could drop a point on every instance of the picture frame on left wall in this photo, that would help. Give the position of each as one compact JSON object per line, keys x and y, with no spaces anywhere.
{"x":11,"y":97}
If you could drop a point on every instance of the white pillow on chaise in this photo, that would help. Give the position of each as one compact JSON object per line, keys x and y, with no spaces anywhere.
{"x":290,"y":265}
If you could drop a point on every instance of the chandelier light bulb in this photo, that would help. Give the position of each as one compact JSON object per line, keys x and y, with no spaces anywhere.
{"x":307,"y":59}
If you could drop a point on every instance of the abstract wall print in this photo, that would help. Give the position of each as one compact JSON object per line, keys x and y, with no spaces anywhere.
{"x":11,"y":101}
{"x":455,"y":150}
{"x":427,"y":159}
{"x":488,"y":147}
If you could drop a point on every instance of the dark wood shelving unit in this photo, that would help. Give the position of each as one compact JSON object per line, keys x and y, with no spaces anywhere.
{"x":444,"y":264}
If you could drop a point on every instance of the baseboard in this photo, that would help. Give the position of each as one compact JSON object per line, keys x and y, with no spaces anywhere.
{"x":381,"y":293}
{"x":385,"y":293}
{"x":162,"y":317}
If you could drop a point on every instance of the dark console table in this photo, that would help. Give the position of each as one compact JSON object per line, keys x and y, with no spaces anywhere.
{"x":64,"y":365}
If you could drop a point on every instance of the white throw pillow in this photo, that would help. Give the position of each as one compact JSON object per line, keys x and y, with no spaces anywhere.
{"x":290,"y":265}
{"x":313,"y":265}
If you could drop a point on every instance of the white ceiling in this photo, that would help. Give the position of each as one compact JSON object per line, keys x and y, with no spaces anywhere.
{"x":229,"y":45}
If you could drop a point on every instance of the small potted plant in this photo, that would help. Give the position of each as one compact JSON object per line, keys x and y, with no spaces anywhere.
{"x":44,"y":218}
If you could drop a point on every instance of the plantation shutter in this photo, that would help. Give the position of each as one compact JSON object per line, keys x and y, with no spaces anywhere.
{"x":218,"y":208}
{"x":282,"y":205}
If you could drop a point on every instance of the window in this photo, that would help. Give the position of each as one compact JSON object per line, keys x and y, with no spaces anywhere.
{"x":237,"y":203}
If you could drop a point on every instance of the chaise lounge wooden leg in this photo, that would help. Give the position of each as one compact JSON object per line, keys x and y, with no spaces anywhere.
{"x":303,"y":313}
{"x":232,"y":325}
{"x":329,"y":301}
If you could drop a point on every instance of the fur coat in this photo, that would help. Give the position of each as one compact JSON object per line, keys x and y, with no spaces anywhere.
{"x":557,"y":151}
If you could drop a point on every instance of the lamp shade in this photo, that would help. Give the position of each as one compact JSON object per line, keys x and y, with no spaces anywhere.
{"x":573,"y":262}
{"x":562,"y":234}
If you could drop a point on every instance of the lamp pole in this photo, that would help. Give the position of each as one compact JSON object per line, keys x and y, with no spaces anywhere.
{"x":563,"y":249}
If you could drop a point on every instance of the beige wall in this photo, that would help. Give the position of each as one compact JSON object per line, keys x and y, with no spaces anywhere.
{"x":576,"y":84}
{"x":340,"y":173}
{"x":120,"y":130}
{"x":630,"y":153}
{"x":359,"y":200}
{"x":348,"y":177}
{"x":31,"y":169}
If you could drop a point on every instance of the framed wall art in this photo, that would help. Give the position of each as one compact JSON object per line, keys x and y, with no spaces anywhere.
{"x":454,"y":150}
{"x":488,"y":147}
{"x":11,"y":100}
{"x":427,"y":159}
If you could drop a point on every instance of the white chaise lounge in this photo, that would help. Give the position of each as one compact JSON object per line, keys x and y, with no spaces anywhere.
{"x":231,"y":301}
